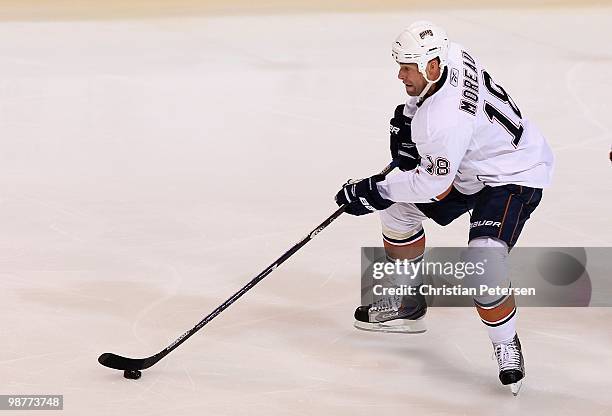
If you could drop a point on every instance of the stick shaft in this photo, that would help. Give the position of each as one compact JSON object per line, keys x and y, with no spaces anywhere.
{"x":114,"y":361}
{"x":267,"y":271}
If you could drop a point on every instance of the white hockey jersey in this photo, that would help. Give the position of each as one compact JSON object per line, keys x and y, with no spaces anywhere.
{"x":469,"y":133}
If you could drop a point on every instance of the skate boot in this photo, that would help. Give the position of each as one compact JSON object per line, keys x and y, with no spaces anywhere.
{"x":401,"y":314}
{"x":511,"y":365}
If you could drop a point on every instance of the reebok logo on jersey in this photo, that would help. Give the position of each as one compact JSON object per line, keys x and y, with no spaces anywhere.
{"x":454,"y":77}
{"x":485,"y":223}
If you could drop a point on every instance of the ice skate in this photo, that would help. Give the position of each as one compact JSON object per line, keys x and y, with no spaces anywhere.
{"x":511,"y":364}
{"x":400,"y":314}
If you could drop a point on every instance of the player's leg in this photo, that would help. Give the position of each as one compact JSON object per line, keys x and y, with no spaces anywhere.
{"x":498,"y":312}
{"x":498,"y":219}
{"x":403,"y":239}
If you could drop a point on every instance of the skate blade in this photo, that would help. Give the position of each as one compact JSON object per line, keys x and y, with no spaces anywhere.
{"x":398,"y":326}
{"x":516,"y":387}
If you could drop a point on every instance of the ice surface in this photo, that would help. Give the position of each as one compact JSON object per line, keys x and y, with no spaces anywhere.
{"x":149,"y":168}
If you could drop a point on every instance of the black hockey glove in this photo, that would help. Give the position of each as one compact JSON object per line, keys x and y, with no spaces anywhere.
{"x":403,"y":149}
{"x":361,"y":196}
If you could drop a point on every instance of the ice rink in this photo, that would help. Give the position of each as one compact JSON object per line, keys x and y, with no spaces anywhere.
{"x":149,"y":167}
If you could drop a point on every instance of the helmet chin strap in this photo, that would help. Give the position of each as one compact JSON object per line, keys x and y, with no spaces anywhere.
{"x":425,"y":90}
{"x":429,"y":83}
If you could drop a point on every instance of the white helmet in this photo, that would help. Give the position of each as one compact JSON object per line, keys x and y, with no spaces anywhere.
{"x":421,"y":42}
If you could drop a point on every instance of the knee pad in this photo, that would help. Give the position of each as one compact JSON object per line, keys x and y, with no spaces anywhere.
{"x":494,"y":310}
{"x":488,"y":242}
{"x":492,"y":254}
{"x":400,"y":222}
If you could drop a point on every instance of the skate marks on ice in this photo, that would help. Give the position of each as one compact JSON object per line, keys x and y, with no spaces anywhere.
{"x":127,"y":266}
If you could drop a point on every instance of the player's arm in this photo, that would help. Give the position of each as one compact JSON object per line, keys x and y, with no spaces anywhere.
{"x":441,"y":148}
{"x":441,"y":153}
{"x":362,"y":196}
{"x":429,"y":182}
{"x":403,"y":149}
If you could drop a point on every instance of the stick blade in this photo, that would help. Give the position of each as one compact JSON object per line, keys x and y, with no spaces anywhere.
{"x":110,"y":360}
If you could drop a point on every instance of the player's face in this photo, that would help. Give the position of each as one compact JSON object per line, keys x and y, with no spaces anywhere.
{"x":413,"y":80}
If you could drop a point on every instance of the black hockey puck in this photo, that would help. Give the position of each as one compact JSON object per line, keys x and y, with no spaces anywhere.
{"x":132,"y":374}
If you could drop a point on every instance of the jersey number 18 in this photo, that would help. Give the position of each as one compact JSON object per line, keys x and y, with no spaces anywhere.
{"x":494,"y":114}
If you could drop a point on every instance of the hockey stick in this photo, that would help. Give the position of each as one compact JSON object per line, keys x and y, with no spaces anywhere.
{"x":133,"y":365}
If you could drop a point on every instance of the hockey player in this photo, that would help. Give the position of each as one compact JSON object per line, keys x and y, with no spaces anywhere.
{"x":462,"y":144}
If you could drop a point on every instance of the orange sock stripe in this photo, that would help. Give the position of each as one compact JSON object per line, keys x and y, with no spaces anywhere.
{"x":498,"y":313}
{"x":502,"y":321}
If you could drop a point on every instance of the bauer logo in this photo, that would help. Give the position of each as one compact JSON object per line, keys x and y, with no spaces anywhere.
{"x":365,"y":203}
{"x":393,"y":129}
{"x":484,"y":223}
